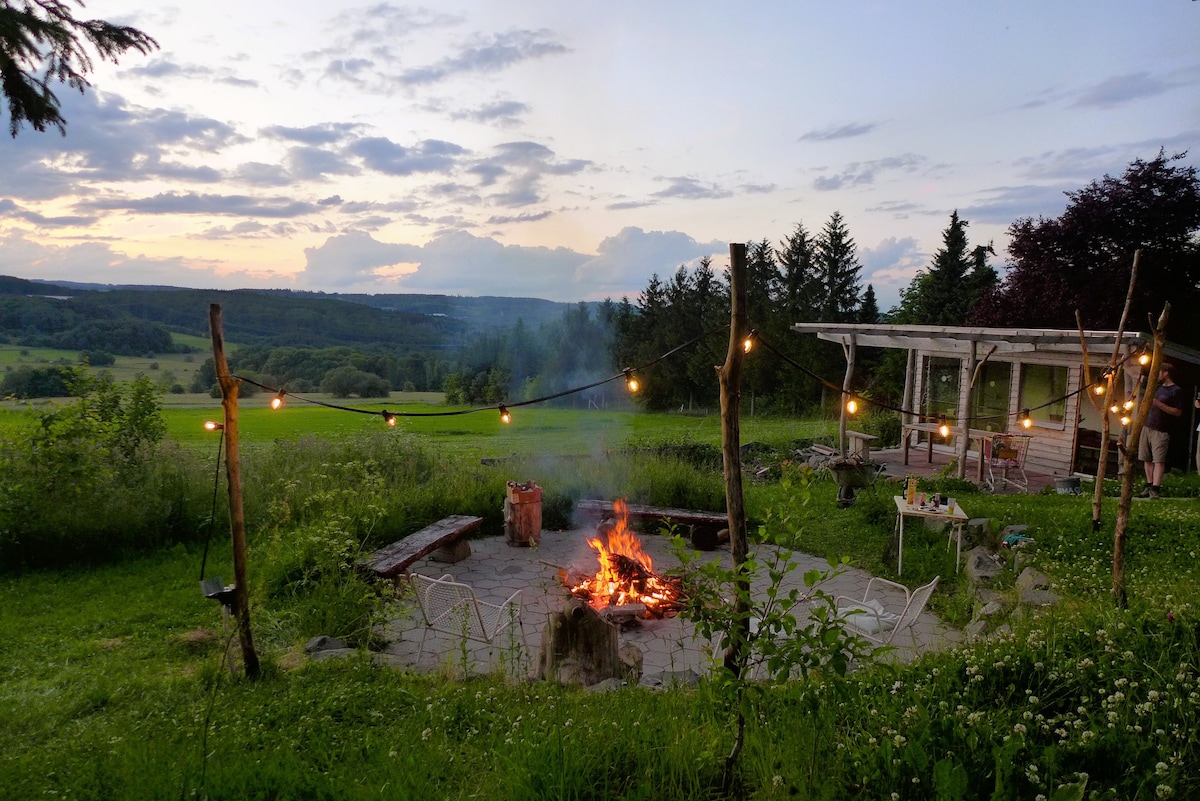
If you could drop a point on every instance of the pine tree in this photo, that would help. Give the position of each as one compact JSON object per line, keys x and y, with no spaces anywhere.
{"x":799,"y":281}
{"x":838,"y":270}
{"x":868,"y":312}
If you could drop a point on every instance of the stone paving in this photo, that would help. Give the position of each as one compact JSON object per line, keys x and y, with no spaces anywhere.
{"x":496,"y":570}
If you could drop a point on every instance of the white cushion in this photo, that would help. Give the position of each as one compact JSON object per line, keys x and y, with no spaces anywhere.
{"x":869,"y":617}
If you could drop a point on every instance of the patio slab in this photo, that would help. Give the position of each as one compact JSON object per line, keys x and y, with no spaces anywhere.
{"x":496,"y":570}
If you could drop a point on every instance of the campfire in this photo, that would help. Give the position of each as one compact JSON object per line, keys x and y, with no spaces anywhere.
{"x":625,"y":584}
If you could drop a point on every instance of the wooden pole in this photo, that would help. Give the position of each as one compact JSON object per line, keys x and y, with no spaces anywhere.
{"x":963,"y":444}
{"x":850,"y":349}
{"x":730,"y":377}
{"x":233,"y":473}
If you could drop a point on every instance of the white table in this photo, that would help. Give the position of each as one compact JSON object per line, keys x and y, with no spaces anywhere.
{"x":957,"y":521}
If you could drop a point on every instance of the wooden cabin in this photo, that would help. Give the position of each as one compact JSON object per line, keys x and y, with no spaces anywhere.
{"x":990,"y":376}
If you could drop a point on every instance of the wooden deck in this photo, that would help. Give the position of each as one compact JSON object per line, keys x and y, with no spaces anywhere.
{"x":893,"y":460}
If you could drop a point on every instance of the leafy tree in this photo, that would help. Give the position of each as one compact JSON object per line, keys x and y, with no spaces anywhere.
{"x":36,"y":382}
{"x":344,"y":381}
{"x":1081,"y":259}
{"x":42,"y":36}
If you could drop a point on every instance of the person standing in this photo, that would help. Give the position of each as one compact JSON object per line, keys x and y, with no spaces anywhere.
{"x":1156,"y":435}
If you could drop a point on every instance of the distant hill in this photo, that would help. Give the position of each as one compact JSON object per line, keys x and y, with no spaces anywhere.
{"x":40,"y":312}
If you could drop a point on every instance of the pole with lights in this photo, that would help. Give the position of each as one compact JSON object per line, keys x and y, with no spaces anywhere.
{"x":233,"y":474}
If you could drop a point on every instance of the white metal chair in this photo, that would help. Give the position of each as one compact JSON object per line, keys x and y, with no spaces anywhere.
{"x":871,"y":617}
{"x":450,"y":607}
{"x":1005,"y":456}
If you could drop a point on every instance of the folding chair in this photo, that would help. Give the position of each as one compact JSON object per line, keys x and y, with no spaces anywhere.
{"x":1005,"y":457}
{"x":450,"y":607}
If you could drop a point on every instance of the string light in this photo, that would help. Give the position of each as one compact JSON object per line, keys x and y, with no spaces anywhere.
{"x":1116,"y":407}
{"x":389,"y":418}
{"x":1124,"y":419}
{"x":1099,"y":389}
{"x":1026,"y":420}
{"x":1128,"y":405}
{"x":631,"y":381}
{"x":278,"y":401}
{"x":943,"y":428}
{"x":1144,"y":357}
{"x":852,"y":406}
{"x":505,"y":417}
{"x":212,"y":425}
{"x":748,"y":342}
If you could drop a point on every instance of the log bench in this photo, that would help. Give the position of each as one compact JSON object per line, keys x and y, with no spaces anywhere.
{"x":446,"y":534}
{"x":716,"y":520}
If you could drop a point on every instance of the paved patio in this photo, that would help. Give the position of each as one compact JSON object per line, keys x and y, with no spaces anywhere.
{"x":496,"y":570}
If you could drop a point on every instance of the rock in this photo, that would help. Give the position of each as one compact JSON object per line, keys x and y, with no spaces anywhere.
{"x":331,"y":653}
{"x":631,"y":658}
{"x":1038,"y":597}
{"x":323,"y":643}
{"x":606,"y":686}
{"x":1031,"y":579}
{"x":673,"y":678}
{"x":982,"y":566}
{"x":976,"y":629}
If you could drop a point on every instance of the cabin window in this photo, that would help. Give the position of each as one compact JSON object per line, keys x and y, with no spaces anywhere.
{"x":1043,"y":393}
{"x":990,"y":398}
{"x":941,"y":387}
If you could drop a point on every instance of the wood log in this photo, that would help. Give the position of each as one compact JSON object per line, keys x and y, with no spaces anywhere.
{"x":578,"y":647}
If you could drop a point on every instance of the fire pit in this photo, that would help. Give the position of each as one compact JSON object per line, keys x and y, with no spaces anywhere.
{"x":625,"y":585}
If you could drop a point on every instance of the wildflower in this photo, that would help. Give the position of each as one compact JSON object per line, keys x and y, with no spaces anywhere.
{"x":777,"y":781}
{"x":1161,"y":768}
{"x":1019,"y":728}
{"x":1164,"y":791}
{"x":425,"y":734}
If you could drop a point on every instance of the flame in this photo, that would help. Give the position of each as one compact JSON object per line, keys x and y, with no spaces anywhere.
{"x":626,"y":574}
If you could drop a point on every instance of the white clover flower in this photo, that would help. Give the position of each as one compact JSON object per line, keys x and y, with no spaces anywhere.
{"x":425,"y":734}
{"x":1164,"y":791}
{"x":1019,"y":728}
{"x":1161,"y":768}
{"x":777,"y":781}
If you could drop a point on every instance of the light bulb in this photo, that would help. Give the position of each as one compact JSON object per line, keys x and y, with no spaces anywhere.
{"x":943,"y":429}
{"x":278,"y":401}
{"x":631,"y":383}
{"x":851,"y":406}
{"x":1099,"y":390}
{"x":1128,"y":405}
{"x":505,"y":417}
{"x":389,"y":418}
{"x":212,"y":425}
{"x":748,"y":344}
{"x":1124,"y":419}
{"x":1144,"y":358}
{"x":1026,"y":420}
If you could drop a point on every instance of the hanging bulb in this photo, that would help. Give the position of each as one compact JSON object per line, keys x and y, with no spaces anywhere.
{"x":852,"y":406}
{"x":278,"y":401}
{"x":631,"y":381}
{"x":505,"y":417}
{"x":943,"y":428}
{"x":1099,"y":389}
{"x":1144,"y":358}
{"x":1128,"y":405}
{"x":1124,"y":419}
{"x":389,"y":418}
{"x":1114,"y":408}
{"x":1026,"y":420}
{"x":212,"y":425}
{"x":748,"y":342}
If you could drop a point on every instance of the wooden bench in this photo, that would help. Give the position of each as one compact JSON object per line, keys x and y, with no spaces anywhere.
{"x":641,"y":512}
{"x":393,"y":560}
{"x":860,"y":444}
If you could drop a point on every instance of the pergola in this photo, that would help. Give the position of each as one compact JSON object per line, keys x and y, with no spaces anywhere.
{"x":974,"y":345}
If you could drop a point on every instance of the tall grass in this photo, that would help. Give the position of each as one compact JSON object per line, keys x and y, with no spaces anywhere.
{"x":112,"y":683}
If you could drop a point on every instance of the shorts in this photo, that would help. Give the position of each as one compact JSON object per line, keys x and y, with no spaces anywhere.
{"x":1152,"y":447}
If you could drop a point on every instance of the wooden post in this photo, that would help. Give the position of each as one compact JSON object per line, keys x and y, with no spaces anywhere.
{"x":233,"y":473}
{"x":966,"y":381}
{"x":850,"y":349}
{"x":730,"y":376}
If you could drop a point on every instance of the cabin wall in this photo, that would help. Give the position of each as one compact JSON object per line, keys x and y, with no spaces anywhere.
{"x":1051,"y":444}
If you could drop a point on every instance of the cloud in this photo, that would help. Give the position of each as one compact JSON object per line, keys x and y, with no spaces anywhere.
{"x":518,"y":218}
{"x":161,"y":69}
{"x":862,"y":173}
{"x":385,"y":156}
{"x":12,"y":210}
{"x":505,"y":113}
{"x":890,"y":266}
{"x":629,"y":258}
{"x":1003,"y":204}
{"x":488,"y":55}
{"x":524,"y":165}
{"x":691,"y":189}
{"x":195,"y":203}
{"x":1122,"y":89}
{"x":314,"y":163}
{"x":97,"y":262}
{"x":847,"y":131}
{"x":326,"y":133}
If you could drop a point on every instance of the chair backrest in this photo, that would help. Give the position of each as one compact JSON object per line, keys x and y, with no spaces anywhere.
{"x":913,"y":609}
{"x":450,"y":606}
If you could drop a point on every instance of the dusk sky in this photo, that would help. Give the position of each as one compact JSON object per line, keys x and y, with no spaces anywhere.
{"x":568,"y":150}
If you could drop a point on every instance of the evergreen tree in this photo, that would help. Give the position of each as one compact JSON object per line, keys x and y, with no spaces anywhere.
{"x":838,"y":268}
{"x":799,"y":282}
{"x":945,"y":299}
{"x":868,"y":312}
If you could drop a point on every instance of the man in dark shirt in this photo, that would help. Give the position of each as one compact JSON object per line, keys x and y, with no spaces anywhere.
{"x":1168,"y":403}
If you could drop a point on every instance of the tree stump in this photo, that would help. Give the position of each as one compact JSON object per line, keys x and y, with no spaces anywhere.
{"x":579,"y":647}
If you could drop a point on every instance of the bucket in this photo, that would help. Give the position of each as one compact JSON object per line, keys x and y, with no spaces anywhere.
{"x":1067,"y":485}
{"x":522,"y":514}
